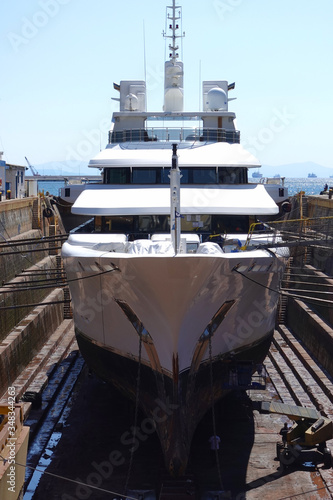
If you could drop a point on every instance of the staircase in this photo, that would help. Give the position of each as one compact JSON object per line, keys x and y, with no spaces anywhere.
{"x":178,"y":489}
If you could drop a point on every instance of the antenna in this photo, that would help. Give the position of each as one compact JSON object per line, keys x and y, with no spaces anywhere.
{"x":173,"y":68}
{"x":144,"y":52}
{"x":173,"y":19}
{"x":199,"y":84}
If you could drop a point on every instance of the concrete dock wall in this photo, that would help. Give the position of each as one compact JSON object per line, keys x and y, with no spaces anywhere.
{"x":27,"y":338}
{"x":12,"y":301}
{"x":322,"y":206}
{"x":15,"y":258}
{"x":31,"y":304}
{"x":315,"y":207}
{"x":322,"y":258}
{"x":313,"y":331}
{"x":319,"y":206}
{"x":16,"y":216}
{"x":18,"y":221}
{"x":315,"y":284}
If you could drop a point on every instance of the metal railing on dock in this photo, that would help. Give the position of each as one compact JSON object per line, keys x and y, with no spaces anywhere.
{"x":293,"y":232}
{"x":244,"y":376}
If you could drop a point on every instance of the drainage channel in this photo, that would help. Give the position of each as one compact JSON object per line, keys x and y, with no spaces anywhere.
{"x":47,"y":421}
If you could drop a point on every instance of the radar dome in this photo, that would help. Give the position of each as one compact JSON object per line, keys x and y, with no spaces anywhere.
{"x":217,"y":99}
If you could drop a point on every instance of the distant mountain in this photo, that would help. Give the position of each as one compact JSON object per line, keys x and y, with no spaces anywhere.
{"x":296,"y":170}
{"x":290,"y":170}
{"x":65,"y":168}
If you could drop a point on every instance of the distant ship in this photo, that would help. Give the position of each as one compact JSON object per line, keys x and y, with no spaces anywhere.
{"x":257,"y":175}
{"x":277,"y":176}
{"x":312,"y":176}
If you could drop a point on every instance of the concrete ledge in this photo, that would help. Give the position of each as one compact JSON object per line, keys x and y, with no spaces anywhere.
{"x":16,"y":215}
{"x":320,"y":206}
{"x":62,"y":350}
{"x":27,"y":338}
{"x":20,"y":439}
{"x":314,"y":332}
{"x":39,"y":365}
{"x":17,"y":203}
{"x":316,"y":372}
{"x":10,"y":265}
{"x":11,"y":317}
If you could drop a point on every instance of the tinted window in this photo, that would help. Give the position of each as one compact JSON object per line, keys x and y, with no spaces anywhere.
{"x":145,"y":175}
{"x":193,"y":175}
{"x":204,"y":176}
{"x":231,"y":224}
{"x":232,"y":175}
{"x":117,"y":175}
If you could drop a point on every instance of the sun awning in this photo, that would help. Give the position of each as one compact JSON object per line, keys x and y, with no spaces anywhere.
{"x":247,"y":199}
{"x":217,"y":154}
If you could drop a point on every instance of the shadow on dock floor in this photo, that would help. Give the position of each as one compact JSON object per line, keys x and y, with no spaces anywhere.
{"x":96,"y":441}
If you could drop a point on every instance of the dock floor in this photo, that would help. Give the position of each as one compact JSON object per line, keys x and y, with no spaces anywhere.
{"x":95,"y":443}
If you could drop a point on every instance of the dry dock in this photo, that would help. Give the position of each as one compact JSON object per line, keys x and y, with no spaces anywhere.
{"x":99,"y":430}
{"x":81,"y":430}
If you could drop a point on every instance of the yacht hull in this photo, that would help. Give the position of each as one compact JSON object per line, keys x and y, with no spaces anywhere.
{"x":186,"y":318}
{"x":173,"y":406}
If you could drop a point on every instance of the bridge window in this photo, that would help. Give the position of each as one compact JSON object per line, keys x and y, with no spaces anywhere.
{"x":118,"y":175}
{"x":146,"y":175}
{"x":231,"y":224}
{"x":190,"y":175}
{"x":193,"y":175}
{"x":229,"y":175}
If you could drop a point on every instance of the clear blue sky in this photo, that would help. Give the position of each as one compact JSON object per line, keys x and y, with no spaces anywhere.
{"x":59,"y":59}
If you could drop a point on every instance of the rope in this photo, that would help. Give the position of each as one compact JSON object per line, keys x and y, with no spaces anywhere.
{"x":325,"y":487}
{"x":284,"y":293}
{"x":23,"y":252}
{"x":32,"y":241}
{"x":213,"y":410}
{"x":80,"y":483}
{"x":7,"y":308}
{"x":8,"y":241}
{"x":137,"y":398}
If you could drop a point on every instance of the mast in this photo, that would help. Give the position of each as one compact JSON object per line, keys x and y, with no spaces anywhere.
{"x":173,"y":69}
{"x":175,"y":223}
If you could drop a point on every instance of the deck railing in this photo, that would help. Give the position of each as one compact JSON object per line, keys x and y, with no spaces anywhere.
{"x":166,"y":134}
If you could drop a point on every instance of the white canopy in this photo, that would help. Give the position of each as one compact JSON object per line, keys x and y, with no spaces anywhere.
{"x":217,"y":154}
{"x":247,"y":199}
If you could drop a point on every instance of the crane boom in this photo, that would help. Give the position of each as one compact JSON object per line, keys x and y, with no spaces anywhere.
{"x":33,"y":170}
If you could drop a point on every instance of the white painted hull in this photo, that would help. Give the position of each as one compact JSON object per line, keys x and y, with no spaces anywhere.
{"x":175,"y":298}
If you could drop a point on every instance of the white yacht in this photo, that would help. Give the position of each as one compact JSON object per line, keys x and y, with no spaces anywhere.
{"x":164,"y":279}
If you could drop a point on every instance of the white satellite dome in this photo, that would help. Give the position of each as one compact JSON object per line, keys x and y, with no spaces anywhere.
{"x":217,"y":99}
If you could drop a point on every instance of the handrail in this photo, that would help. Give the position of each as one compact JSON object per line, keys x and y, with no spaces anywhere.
{"x":176,"y":134}
{"x":293,"y":228}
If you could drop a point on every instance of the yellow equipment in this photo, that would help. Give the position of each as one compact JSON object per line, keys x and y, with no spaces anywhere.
{"x":310,"y":430}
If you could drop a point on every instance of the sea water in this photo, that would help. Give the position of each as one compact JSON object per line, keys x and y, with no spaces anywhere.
{"x":51,"y":187}
{"x":309,"y":186}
